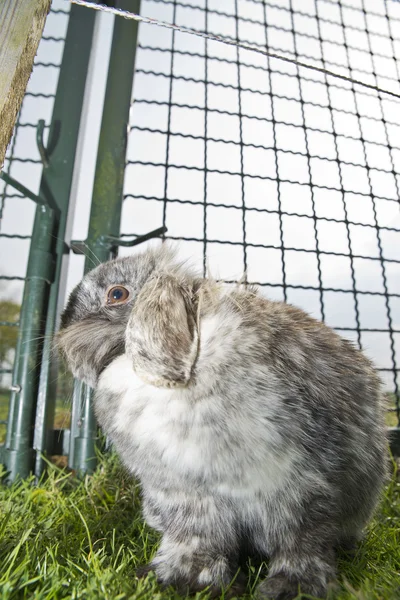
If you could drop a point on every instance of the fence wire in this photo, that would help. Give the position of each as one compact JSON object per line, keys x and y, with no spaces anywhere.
{"x":24,"y":164}
{"x":266,"y":168}
{"x":257,"y":167}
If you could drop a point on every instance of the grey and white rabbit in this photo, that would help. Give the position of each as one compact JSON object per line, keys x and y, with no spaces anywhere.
{"x":252,"y":427}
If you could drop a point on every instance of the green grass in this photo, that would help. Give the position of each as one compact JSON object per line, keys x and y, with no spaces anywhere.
{"x":65,"y":538}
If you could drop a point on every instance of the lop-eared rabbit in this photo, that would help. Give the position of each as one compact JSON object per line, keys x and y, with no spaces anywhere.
{"x":253,"y":428}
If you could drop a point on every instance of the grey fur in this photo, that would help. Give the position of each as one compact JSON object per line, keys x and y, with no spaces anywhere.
{"x":251,"y":426}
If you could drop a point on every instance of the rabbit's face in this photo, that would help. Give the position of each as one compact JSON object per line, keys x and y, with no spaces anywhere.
{"x":94,"y":322}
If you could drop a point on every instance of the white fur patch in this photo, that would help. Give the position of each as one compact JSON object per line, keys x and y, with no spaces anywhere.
{"x":205,"y":577}
{"x":196,"y":438}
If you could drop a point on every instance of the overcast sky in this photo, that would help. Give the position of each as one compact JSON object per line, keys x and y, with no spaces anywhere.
{"x":370,"y":201}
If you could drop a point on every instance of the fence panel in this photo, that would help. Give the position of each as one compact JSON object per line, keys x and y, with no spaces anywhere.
{"x":31,"y":406}
{"x":268,"y":168}
{"x":23,"y":163}
{"x":260,"y":168}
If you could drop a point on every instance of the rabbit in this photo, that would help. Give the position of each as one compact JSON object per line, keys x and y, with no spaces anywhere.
{"x":253,"y":428}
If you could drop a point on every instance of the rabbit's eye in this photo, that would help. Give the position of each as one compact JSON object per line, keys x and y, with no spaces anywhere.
{"x":118,"y":294}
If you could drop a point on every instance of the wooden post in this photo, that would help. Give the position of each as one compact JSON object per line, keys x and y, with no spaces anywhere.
{"x":21,"y":26}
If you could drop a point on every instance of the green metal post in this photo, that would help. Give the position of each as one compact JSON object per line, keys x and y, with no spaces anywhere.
{"x":58,"y":179}
{"x":18,"y":448}
{"x":106,"y":208}
{"x":32,"y":361}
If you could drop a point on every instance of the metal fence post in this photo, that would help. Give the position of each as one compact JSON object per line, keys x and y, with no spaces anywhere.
{"x":18,"y":449}
{"x":106,"y":204}
{"x":68,"y":109}
{"x":33,"y":388}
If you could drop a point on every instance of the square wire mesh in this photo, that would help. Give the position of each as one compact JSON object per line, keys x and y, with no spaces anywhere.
{"x":262,"y":166}
{"x":17,"y":213}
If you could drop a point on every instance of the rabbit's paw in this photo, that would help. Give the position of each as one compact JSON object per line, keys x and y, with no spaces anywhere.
{"x":143,"y":570}
{"x":283,"y":587}
{"x":190,"y":573}
{"x":277,"y":587}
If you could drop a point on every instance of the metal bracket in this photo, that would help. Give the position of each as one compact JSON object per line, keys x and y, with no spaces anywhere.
{"x":44,"y":156}
{"x":39,"y":142}
{"x":21,"y":188}
{"x":45,"y":153}
{"x":50,"y":202}
{"x":118,"y":241}
{"x":78,"y":247}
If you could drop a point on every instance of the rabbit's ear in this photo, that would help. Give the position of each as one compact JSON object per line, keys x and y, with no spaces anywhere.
{"x":162,"y":337}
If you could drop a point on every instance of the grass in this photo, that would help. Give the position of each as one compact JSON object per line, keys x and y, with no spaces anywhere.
{"x":66,"y":538}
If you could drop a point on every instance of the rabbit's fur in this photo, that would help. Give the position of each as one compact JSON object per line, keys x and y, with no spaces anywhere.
{"x":252,"y":427}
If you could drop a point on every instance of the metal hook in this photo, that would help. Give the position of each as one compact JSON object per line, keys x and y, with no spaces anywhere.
{"x":117,"y":241}
{"x":48,"y":201}
{"x":39,"y":142}
{"x":78,"y":247}
{"x":22,"y":189}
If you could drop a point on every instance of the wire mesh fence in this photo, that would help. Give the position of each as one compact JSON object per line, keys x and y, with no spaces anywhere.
{"x":260,"y":168}
{"x":23,"y":162}
{"x":263,"y":167}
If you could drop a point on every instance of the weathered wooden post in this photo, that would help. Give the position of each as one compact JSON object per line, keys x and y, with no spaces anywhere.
{"x":21,"y":27}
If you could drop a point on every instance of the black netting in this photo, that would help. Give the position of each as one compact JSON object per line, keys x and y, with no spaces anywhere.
{"x":261,"y":166}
